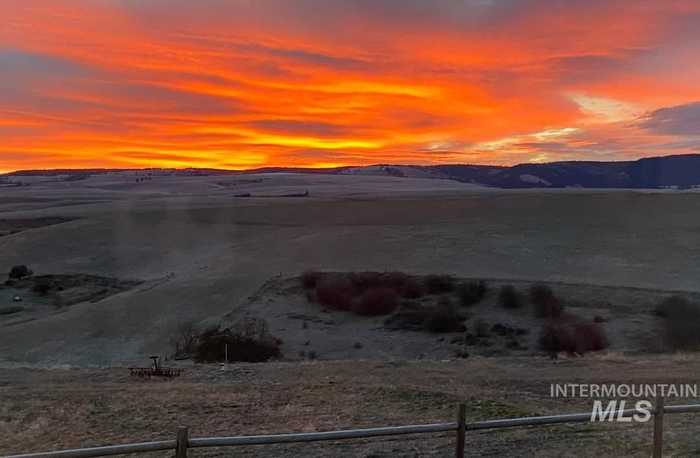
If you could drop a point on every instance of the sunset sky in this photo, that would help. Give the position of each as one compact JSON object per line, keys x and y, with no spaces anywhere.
{"x":252,"y":83}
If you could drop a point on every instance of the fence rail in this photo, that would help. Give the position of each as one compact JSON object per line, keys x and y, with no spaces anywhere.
{"x":183,"y":441}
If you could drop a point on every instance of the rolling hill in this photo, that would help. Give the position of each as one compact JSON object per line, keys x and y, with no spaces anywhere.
{"x":681,"y":171}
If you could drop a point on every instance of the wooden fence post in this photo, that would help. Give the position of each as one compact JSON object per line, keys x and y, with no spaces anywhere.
{"x":183,"y":439}
{"x":658,"y":427}
{"x":461,"y":430}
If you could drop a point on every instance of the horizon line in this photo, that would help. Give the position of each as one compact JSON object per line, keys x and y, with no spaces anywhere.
{"x":338,"y":167}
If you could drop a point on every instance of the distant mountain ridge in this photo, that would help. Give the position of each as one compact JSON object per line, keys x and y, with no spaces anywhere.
{"x":681,"y":171}
{"x":657,"y":172}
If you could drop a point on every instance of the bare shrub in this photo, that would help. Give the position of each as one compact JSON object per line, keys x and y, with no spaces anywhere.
{"x":42,"y":286}
{"x":444,"y":318}
{"x":439,"y":284}
{"x":505,"y":330}
{"x":310,"y":278}
{"x":376,"y":301}
{"x":545,"y":303}
{"x":509,"y":298}
{"x":471,"y":293}
{"x":681,"y":319}
{"x":335,"y":292}
{"x":248,"y":341}
{"x":411,"y":319}
{"x":556,"y":338}
{"x":673,"y":305}
{"x":19,"y":272}
{"x":549,"y":308}
{"x":461,"y":353}
{"x":184,"y":340}
{"x":540,"y":293}
{"x":481,"y":328}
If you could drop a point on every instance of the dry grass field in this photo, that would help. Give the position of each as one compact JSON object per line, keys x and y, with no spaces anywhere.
{"x":53,"y":409}
{"x":200,"y":252}
{"x":190,"y":250}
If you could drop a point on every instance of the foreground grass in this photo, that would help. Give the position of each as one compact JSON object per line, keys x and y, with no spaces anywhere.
{"x":55,"y":409}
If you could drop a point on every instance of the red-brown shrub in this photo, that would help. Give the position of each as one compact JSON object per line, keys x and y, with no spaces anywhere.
{"x":589,"y":337}
{"x":335,"y":292}
{"x":310,"y":278}
{"x":395,"y":280}
{"x":572,"y":338}
{"x":365,"y":280}
{"x":376,"y":301}
{"x":412,"y":289}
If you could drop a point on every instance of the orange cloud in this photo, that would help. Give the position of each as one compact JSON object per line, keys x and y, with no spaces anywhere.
{"x":239,"y":84}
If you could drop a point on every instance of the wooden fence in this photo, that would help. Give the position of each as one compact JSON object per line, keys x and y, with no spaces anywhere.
{"x":183,"y":442}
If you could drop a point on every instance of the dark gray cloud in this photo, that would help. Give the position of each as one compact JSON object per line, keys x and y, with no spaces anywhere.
{"x":676,"y":120}
{"x":299,"y":127}
{"x":326,"y":13}
{"x":156,"y":99}
{"x":21,"y":68}
{"x":265,"y":54}
{"x":589,"y":68}
{"x":308,"y":57}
